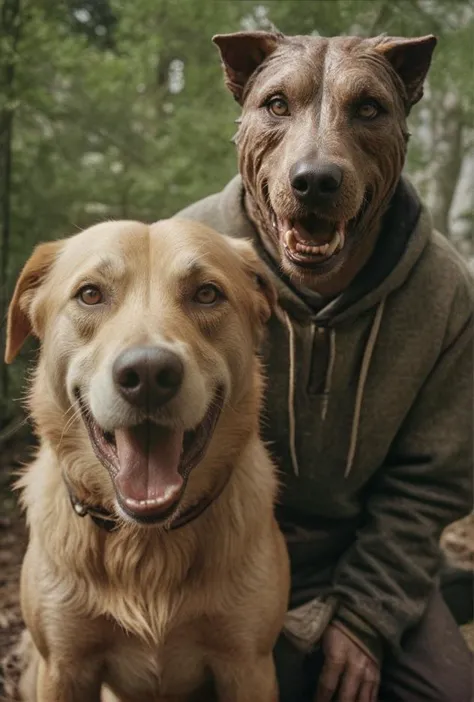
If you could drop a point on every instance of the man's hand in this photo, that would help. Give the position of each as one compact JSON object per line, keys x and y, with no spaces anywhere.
{"x":347,"y":669}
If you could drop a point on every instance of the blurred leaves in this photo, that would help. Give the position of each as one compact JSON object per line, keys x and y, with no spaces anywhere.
{"x":119,"y":108}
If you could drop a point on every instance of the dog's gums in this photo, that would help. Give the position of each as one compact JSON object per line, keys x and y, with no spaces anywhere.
{"x":150,"y":463}
{"x":303,"y":250}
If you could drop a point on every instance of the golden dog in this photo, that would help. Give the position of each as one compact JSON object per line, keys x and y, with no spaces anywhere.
{"x":146,"y":398}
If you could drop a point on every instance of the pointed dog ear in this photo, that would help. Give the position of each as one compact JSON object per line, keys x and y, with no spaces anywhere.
{"x":241,"y":53}
{"x":19,"y":321}
{"x":265,"y":293}
{"x":411,"y":59}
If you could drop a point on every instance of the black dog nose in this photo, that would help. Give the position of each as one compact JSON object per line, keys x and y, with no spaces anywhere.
{"x":148,"y":376}
{"x":313,"y":181}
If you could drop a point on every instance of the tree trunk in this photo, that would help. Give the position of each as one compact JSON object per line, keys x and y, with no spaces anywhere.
{"x":447,"y":158}
{"x":10,"y":29}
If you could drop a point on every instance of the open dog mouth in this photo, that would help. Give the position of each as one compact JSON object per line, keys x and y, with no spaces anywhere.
{"x":150,"y":463}
{"x":312,"y":240}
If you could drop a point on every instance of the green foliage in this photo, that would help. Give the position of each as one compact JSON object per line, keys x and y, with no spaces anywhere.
{"x":119,"y":108}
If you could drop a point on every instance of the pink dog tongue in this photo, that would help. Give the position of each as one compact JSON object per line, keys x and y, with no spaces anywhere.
{"x":149,"y":457}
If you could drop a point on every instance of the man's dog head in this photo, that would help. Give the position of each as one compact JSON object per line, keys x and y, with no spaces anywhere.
{"x":322,"y":142}
{"x":148,"y":338}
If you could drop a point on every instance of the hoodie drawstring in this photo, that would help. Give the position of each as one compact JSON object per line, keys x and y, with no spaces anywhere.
{"x":291,"y":395}
{"x":364,"y":371}
{"x":328,"y":380}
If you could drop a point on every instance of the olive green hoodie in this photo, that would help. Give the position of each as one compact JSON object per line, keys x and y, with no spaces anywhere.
{"x":369,"y":414}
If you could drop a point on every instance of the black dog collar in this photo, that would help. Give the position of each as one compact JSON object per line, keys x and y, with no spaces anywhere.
{"x":107,"y":521}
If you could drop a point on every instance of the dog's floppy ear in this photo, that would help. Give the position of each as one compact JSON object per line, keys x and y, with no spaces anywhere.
{"x":242,"y":53}
{"x":19,"y":322}
{"x":411,"y":59}
{"x":266,"y":293}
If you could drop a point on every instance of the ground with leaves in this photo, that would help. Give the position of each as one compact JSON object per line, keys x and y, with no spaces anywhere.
{"x":13,"y":538}
{"x":12,"y":545}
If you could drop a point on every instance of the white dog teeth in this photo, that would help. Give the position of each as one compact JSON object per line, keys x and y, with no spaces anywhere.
{"x":313,"y":249}
{"x":327,"y":250}
{"x":290,"y":239}
{"x":342,"y":239}
{"x":157,"y":502}
{"x":333,"y":244}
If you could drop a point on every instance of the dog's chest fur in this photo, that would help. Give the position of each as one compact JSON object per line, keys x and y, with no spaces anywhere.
{"x":140,"y":671}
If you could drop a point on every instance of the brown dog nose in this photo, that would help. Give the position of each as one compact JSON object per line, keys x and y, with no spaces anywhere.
{"x":314,"y":182}
{"x":148,"y":376}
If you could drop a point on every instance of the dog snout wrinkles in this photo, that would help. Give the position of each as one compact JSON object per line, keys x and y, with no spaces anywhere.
{"x":148,"y":376}
{"x":314,"y":181}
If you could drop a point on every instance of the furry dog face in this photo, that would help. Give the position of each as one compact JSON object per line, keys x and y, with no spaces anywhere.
{"x":148,"y":339}
{"x":322,"y":142}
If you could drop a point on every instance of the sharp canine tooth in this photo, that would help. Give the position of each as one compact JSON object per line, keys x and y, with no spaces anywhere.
{"x":290,"y":239}
{"x":341,"y":239}
{"x":332,"y":246}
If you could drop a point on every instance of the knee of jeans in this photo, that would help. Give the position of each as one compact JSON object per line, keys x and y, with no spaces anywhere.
{"x":289,"y":663}
{"x":458,"y":688}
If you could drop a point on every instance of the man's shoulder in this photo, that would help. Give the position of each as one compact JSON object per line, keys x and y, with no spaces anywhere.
{"x":207,"y":211}
{"x":449,"y":269}
{"x":222,"y":211}
{"x":443,"y":254}
{"x":446,"y":277}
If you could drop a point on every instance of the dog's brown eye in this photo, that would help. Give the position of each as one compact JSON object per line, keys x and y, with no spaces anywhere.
{"x":207,"y":294}
{"x":278,"y":106}
{"x":368,"y":109}
{"x":90,"y":295}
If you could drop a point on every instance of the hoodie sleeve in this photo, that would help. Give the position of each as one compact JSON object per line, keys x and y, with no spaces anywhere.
{"x":384,"y":580}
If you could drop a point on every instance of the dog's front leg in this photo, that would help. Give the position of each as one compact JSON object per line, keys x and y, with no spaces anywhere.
{"x":58,"y":682}
{"x":246,"y":680}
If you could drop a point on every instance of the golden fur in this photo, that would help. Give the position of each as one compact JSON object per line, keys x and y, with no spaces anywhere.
{"x":149,"y":613}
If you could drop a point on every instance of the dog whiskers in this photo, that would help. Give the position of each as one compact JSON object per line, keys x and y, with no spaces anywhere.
{"x":75,"y":415}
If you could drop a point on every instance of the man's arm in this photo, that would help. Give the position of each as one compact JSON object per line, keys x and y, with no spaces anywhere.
{"x":384,"y":580}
